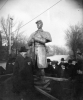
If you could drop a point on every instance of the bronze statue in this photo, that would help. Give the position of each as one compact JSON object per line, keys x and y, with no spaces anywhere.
{"x":39,"y":38}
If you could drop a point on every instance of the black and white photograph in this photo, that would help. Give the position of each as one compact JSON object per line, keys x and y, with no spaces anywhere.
{"x":41,"y":50}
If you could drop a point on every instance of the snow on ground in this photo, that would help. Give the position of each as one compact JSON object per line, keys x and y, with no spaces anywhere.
{"x":3,"y":65}
{"x":55,"y":57}
{"x":58,"y":57}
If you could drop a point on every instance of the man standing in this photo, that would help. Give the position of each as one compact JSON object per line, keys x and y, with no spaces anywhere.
{"x":22,"y":74}
{"x":38,"y":39}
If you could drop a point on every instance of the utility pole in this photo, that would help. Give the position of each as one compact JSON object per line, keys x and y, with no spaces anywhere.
{"x":10,"y":32}
{"x":0,"y":40}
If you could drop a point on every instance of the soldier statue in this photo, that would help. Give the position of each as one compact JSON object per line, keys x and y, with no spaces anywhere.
{"x":37,"y":41}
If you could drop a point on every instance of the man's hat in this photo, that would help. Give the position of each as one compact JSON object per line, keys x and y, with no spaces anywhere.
{"x":48,"y":60}
{"x":62,"y":59}
{"x":23,"y":49}
{"x":39,"y":21}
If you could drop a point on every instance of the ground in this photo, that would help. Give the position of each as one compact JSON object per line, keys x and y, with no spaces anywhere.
{"x":7,"y":94}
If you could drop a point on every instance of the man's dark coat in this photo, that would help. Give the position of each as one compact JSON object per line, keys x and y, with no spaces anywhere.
{"x":22,"y":74}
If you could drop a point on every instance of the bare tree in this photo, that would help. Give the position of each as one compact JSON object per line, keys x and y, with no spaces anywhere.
{"x":60,"y":51}
{"x":6,"y":25}
{"x":16,"y":36}
{"x":50,"y":50}
{"x":55,"y":50}
{"x":74,"y":37}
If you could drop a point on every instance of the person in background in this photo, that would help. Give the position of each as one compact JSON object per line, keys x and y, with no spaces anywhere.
{"x":75,"y":69}
{"x":10,"y":62}
{"x":38,"y":40}
{"x":54,"y":68}
{"x":48,"y":69}
{"x":70,"y":69}
{"x":62,"y":61}
{"x":61,"y":68}
{"x":79,"y":77}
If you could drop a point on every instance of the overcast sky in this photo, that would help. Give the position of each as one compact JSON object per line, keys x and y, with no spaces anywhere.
{"x":55,"y":20}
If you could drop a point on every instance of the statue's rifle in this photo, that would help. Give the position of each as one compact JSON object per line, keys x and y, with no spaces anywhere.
{"x":33,"y":53}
